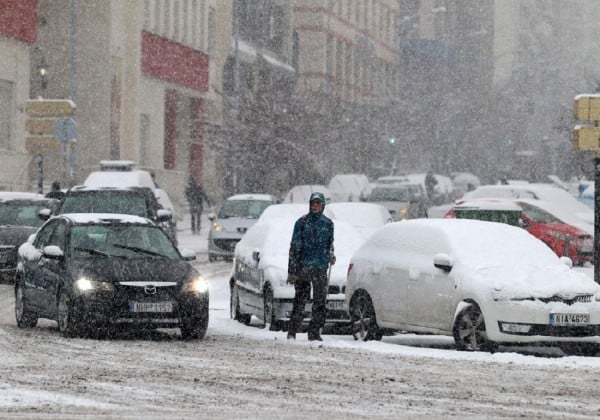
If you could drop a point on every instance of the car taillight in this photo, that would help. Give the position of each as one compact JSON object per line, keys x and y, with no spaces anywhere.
{"x":349,"y":269}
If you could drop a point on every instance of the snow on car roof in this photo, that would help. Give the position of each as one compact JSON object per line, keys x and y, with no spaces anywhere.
{"x":488,"y":204}
{"x":83,"y":218}
{"x":17,"y":195}
{"x":133,"y":178}
{"x":263,"y":197}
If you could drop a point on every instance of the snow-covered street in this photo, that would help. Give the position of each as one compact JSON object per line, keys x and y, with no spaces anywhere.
{"x":246,"y":371}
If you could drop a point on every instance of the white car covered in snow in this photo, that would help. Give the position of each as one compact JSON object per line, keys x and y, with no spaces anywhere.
{"x":258,"y":283}
{"x":484,"y":283}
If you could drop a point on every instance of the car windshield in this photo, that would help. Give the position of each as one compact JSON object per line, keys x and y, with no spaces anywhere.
{"x":247,"y":209}
{"x":538,"y":215}
{"x":395,"y":193}
{"x":126,"y":241}
{"x":20,"y":214}
{"x":124,"y":202}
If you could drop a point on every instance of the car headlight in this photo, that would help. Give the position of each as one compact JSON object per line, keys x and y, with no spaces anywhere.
{"x":217,"y":227}
{"x":559,"y":235}
{"x":84,"y":284}
{"x":197,"y":285}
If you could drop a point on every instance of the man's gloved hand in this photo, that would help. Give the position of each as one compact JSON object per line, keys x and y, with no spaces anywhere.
{"x":292,"y":278}
{"x":332,"y":258}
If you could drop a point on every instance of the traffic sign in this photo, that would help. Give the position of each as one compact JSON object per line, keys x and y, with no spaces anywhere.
{"x":40,"y":125}
{"x":587,"y":107}
{"x":65,"y":129}
{"x":40,"y":144}
{"x":50,"y":108}
{"x":586,"y":138}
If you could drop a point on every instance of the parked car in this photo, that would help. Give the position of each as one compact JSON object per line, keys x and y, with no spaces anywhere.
{"x":235,"y":216}
{"x":556,"y":201}
{"x":483,"y":283}
{"x":301,"y":193}
{"x":364,"y":217}
{"x":258,"y":283}
{"x":349,"y":187}
{"x":91,"y":272}
{"x":564,"y":239}
{"x":402,"y":201}
{"x":137,"y":201}
{"x":18,"y":220}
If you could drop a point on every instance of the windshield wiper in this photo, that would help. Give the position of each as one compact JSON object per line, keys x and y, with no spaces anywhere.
{"x":141,"y":250}
{"x":91,"y":251}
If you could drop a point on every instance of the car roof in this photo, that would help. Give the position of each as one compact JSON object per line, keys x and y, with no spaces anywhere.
{"x":88,"y":188}
{"x":99,"y":218}
{"x":18,"y":195}
{"x":488,"y":204}
{"x":259,"y":197}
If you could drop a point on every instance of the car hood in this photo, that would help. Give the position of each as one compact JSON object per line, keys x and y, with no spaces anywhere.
{"x":15,"y":235}
{"x":118,"y":269}
{"x":518,"y":282}
{"x":234,"y":223}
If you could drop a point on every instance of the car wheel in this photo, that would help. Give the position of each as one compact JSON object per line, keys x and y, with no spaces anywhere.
{"x":363,"y":321}
{"x":269,"y":313}
{"x":194,"y":326}
{"x":26,"y":318}
{"x":469,"y":331}
{"x":234,"y":308}
{"x":68,"y":323}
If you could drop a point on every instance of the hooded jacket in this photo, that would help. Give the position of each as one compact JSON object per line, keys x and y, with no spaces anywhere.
{"x":312,"y":240}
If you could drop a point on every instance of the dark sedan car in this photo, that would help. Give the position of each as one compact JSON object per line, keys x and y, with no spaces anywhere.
{"x":96,"y":272}
{"x":18,"y":220}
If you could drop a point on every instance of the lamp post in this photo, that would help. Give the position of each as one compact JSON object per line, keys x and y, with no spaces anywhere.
{"x":43,"y":73}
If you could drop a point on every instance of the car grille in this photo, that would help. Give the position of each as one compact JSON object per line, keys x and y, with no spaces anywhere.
{"x":565,"y":331}
{"x":570,"y":301}
{"x":226,"y":244}
{"x":8,"y":256}
{"x":334,"y":290}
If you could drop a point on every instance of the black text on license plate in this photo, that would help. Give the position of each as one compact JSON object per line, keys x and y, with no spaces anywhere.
{"x":569,"y":319}
{"x":151,"y":307}
{"x":335,"y":304}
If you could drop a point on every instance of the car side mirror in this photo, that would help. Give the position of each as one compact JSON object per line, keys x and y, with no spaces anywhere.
{"x":44,"y":214}
{"x":256,"y":255}
{"x":188,"y":254}
{"x":163,"y":215}
{"x":52,"y":252}
{"x":212,"y":216}
{"x":567,"y":261}
{"x":443,"y":262}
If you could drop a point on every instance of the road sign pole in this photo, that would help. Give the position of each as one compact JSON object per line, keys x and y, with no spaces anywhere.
{"x":40,"y":173}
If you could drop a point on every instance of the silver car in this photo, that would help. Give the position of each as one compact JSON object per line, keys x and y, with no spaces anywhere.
{"x":237,"y":214}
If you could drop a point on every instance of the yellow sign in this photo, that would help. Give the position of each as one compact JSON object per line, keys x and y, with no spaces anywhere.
{"x":587,"y":107}
{"x":586,"y":138}
{"x":50,"y":108}
{"x":38,"y":126}
{"x":40,"y":144}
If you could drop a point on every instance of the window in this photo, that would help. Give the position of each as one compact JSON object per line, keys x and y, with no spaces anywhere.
{"x":6,"y":112}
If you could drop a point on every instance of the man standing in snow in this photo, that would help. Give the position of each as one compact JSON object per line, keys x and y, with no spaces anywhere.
{"x":311,"y":252}
{"x":195,"y":196}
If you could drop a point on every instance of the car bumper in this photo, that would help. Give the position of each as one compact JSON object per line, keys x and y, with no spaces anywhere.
{"x":223,"y":245}
{"x":529,"y":322}
{"x":336,"y":314}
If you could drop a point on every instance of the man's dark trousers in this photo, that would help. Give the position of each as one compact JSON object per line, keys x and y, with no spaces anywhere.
{"x":318,"y":280}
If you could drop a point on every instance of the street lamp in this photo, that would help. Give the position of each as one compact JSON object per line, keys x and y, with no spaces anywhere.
{"x":43,"y":73}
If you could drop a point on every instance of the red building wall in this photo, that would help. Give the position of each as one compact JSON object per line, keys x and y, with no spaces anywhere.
{"x":18,"y":19}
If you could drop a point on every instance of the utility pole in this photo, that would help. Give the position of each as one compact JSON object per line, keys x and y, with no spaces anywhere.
{"x":236,"y":87}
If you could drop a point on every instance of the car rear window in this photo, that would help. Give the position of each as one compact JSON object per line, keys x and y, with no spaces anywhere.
{"x":20,"y":214}
{"x":248,"y":209}
{"x":124,"y":202}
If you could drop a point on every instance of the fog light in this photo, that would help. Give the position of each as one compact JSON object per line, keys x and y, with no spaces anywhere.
{"x":514,"y":328}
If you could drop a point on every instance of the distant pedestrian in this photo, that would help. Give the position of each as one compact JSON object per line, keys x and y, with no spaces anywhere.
{"x":55,"y":191}
{"x":430,"y":183}
{"x":195,"y":195}
{"x":311,"y":253}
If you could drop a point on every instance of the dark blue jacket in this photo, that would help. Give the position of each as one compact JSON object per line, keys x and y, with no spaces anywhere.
{"x":312,"y":241}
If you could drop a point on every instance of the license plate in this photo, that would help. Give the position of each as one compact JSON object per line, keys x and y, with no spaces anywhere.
{"x":151,"y":306}
{"x":569,"y":319}
{"x":335,"y":304}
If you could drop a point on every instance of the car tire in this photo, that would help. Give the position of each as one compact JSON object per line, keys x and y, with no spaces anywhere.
{"x":469,"y":331}
{"x":234,"y":308}
{"x":268,"y":312}
{"x":69,"y":323}
{"x":26,"y":318}
{"x":194,"y":327}
{"x":362,"y":318}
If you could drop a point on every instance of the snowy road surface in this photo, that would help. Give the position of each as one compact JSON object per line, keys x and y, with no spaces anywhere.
{"x":241,"y":371}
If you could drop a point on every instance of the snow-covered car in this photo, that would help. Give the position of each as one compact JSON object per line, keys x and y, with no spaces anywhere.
{"x":258,"y":283}
{"x":93,"y":271}
{"x":301,"y":193}
{"x":365,"y":217}
{"x":564,"y":239}
{"x":556,"y":201}
{"x":235,"y":216}
{"x":18,"y":220}
{"x":349,"y":187}
{"x":402,"y":201}
{"x":484,"y":283}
